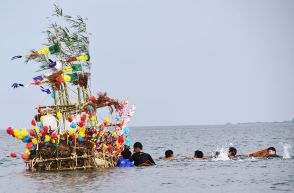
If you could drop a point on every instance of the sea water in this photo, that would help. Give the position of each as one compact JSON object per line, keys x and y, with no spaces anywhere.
{"x":250,"y":175}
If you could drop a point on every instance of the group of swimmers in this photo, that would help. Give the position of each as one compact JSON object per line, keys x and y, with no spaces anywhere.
{"x":144,"y":159}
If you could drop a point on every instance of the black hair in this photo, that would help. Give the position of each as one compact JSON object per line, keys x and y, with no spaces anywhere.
{"x":37,"y":117}
{"x":198,"y":154}
{"x":233,"y":151}
{"x":126,"y":154}
{"x":168,"y":153}
{"x":138,"y":145}
{"x":271,"y":148}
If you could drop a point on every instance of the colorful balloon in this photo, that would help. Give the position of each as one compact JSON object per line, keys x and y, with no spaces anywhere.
{"x":73,"y":125}
{"x":25,"y":156}
{"x":13,"y":154}
{"x":126,"y":130}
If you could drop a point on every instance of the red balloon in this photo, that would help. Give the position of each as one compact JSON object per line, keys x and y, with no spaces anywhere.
{"x":34,"y":122}
{"x":70,"y":119}
{"x":110,"y":148}
{"x":32,"y":133}
{"x":54,"y":136}
{"x":74,"y":138}
{"x":24,"y":156}
{"x":121,"y":139}
{"x":9,"y":131}
{"x":30,"y":145}
{"x":81,"y":124}
{"x":45,"y":129}
{"x":64,"y":135}
{"x":93,"y":98}
{"x":13,"y":154}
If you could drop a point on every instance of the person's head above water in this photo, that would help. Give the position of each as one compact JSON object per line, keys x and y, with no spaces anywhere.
{"x":138,"y":147}
{"x":169,"y":154}
{"x":126,"y":154}
{"x":271,"y":151}
{"x":198,"y":154}
{"x":232,"y":152}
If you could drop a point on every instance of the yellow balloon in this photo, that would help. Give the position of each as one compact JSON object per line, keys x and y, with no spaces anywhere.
{"x":27,"y":151}
{"x":37,"y":129}
{"x":106,"y":120}
{"x":115,"y":135}
{"x":82,"y":134}
{"x":42,"y":118}
{"x":34,"y":141}
{"x":16,"y":132}
{"x":24,"y":132}
{"x":47,"y":138}
{"x":71,"y":132}
{"x":92,"y":118}
{"x":53,"y":141}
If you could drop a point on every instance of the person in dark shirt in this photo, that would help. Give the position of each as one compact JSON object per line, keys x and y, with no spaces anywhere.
{"x":124,"y":160}
{"x":140,"y":158}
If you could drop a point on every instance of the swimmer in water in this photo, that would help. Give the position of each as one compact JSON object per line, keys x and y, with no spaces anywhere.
{"x":139,"y":157}
{"x":198,"y":155}
{"x":269,"y":152}
{"x":124,"y":160}
{"x":169,"y":155}
{"x":232,"y":152}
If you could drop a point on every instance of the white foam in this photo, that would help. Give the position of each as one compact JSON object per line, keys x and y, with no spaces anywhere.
{"x":286,"y":151}
{"x":223,"y":154}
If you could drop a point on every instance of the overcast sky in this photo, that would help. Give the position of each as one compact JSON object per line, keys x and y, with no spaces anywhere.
{"x":181,"y":62}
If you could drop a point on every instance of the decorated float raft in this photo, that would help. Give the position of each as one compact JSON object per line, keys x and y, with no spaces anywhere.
{"x":70,"y":133}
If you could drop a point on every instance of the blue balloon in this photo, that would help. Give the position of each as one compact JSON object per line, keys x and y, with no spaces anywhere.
{"x":128,"y":142}
{"x":47,"y":143}
{"x":80,"y":138}
{"x":40,"y":125}
{"x":118,"y":118}
{"x":26,"y":139}
{"x":90,"y":107}
{"x":126,"y":130}
{"x":73,"y":125}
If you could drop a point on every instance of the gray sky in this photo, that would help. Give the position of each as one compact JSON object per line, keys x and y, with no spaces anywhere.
{"x":180,"y":62}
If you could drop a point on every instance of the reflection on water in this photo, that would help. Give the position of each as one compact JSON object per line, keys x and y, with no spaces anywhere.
{"x":180,"y":175}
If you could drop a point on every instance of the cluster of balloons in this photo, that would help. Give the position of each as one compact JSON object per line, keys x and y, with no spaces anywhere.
{"x":86,"y":128}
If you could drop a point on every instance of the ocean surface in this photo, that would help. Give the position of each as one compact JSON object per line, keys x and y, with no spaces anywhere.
{"x":181,"y":175}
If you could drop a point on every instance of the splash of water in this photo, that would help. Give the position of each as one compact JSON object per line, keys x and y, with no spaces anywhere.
{"x":223,"y":154}
{"x":286,"y":151}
